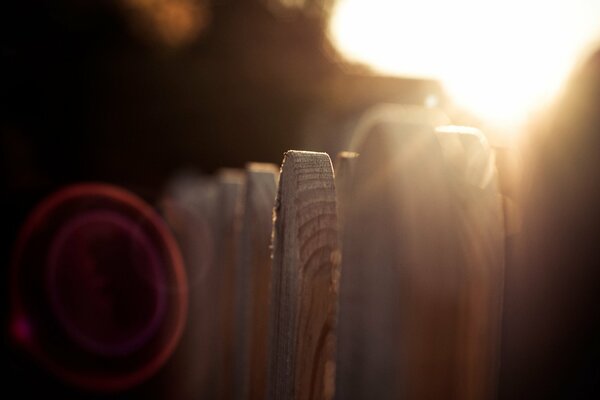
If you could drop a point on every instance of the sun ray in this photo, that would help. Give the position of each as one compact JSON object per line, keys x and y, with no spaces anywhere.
{"x":499,"y":60}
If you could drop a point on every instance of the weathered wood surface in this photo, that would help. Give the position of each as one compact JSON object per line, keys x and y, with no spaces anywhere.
{"x":253,"y":275}
{"x":305,"y":280}
{"x":421,"y":255}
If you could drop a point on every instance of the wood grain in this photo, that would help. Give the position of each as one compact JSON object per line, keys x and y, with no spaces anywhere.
{"x":253,"y":275}
{"x":305,"y":280}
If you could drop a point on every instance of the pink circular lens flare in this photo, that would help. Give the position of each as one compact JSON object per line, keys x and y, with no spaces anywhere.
{"x":100,"y":282}
{"x":105,"y":283}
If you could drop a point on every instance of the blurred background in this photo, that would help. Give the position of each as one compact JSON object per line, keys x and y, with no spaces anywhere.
{"x":133,"y":92}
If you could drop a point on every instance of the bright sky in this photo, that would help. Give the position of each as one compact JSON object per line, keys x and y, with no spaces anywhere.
{"x":501,"y":59}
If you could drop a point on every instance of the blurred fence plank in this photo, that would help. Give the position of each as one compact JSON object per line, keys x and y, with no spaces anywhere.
{"x":419,"y":272}
{"x":345,"y":164}
{"x":481,"y":225}
{"x":191,"y":205}
{"x":253,"y":277}
{"x":203,"y":215}
{"x":305,"y":280}
{"x":231,"y":187}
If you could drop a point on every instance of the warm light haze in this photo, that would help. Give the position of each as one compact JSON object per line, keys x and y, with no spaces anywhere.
{"x":501,"y":60}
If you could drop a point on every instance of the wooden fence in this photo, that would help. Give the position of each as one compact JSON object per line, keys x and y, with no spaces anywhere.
{"x":390,"y":288}
{"x":381,"y":280}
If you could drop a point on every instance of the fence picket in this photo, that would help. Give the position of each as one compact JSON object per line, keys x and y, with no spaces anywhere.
{"x":305,"y":280}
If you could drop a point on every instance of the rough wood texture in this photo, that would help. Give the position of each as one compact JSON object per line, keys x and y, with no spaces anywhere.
{"x":421,"y":249}
{"x":305,"y":280}
{"x":253,"y":275}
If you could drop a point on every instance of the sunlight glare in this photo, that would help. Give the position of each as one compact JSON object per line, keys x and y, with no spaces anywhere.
{"x":499,"y":59}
